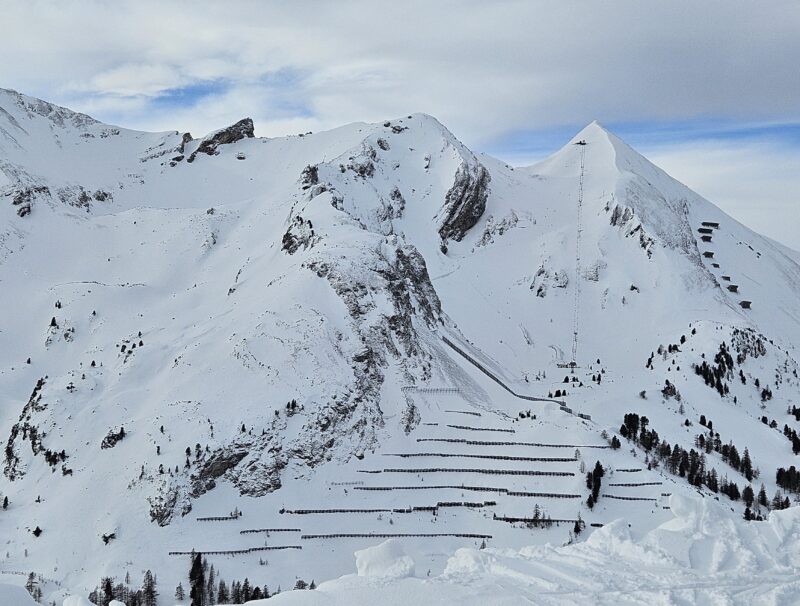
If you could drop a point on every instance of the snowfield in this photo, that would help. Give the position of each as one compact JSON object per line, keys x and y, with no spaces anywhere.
{"x":698,"y":557}
{"x":281,"y":352}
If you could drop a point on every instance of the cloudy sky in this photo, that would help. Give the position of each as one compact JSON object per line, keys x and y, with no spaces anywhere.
{"x":708,"y":90}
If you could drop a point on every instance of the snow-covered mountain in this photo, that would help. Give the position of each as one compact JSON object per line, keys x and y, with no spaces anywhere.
{"x":365,"y":331}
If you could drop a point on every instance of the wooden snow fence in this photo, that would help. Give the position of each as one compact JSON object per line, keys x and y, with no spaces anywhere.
{"x":438,"y":487}
{"x":534,"y":521}
{"x":493,"y":376}
{"x":218,"y":518}
{"x":268,"y":530}
{"x":395,"y":535}
{"x":543,"y":495}
{"x":431,"y":508}
{"x":480,"y":456}
{"x":494,"y":472}
{"x":493,"y":443}
{"x":469,"y":428}
{"x":235,"y":551}
{"x":637,"y":484}
{"x":612,"y":496}
{"x":505,"y":491}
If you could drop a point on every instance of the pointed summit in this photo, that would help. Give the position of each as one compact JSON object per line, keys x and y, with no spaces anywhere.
{"x":592,"y":132}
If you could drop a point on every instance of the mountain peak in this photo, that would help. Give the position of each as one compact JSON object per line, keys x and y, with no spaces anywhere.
{"x":278,"y":307}
{"x":591,"y":132}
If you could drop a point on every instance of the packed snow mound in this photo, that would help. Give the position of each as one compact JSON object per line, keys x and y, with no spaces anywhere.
{"x":700,"y":556}
{"x":387,"y":560}
{"x":77,"y":600}
{"x":12,"y":595}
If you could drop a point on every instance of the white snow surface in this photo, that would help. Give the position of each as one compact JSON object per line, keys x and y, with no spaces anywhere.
{"x":184,"y":300}
{"x":700,"y":556}
{"x":387,"y":560}
{"x":12,"y":595}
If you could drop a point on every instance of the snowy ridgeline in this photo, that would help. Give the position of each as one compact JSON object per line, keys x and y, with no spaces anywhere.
{"x":278,"y":352}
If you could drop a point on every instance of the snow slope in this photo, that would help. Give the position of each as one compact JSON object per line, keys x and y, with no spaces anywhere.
{"x":266,"y":319}
{"x":697,"y":557}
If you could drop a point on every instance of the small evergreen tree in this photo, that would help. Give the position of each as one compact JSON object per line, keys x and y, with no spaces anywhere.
{"x":211,"y":587}
{"x":149,"y":592}
{"x":30,"y":584}
{"x":746,"y":466}
{"x":179,"y":593}
{"x":197,"y":585}
{"x":222,"y":593}
{"x":747,"y":496}
{"x":762,"y":497}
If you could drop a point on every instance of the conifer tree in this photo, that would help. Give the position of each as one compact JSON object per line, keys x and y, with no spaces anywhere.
{"x":197,"y":585}
{"x":222,"y":592}
{"x":762,"y":497}
{"x":149,"y":592}
{"x":747,"y":496}
{"x":211,"y":587}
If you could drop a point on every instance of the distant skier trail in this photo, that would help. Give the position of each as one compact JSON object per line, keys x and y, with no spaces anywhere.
{"x":577,"y":290}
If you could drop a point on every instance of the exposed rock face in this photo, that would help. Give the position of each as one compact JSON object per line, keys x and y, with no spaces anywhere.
{"x":309,"y":176}
{"x":253,"y":463}
{"x":221,"y":461}
{"x":300,"y":234}
{"x":167,"y":500}
{"x":545,"y":278}
{"x":465,"y":201}
{"x":399,"y":274}
{"x":241,"y":130}
{"x":624,"y":218}
{"x":26,"y":430}
{"x":59,"y":116}
{"x":112,"y":437}
{"x":23,"y":199}
{"x":497,"y":228}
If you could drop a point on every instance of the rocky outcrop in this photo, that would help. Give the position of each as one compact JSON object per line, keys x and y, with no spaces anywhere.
{"x":59,"y":116}
{"x":309,"y":176}
{"x":300,"y":234}
{"x":497,"y":228}
{"x":236,"y":132}
{"x":166,"y":502}
{"x":26,"y":430}
{"x":112,"y":438}
{"x":23,"y":198}
{"x":465,"y":201}
{"x":624,"y":218}
{"x":545,"y":278}
{"x":221,"y":461}
{"x":396,"y":282}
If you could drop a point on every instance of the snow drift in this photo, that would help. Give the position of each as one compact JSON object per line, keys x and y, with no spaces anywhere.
{"x":700,"y":556}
